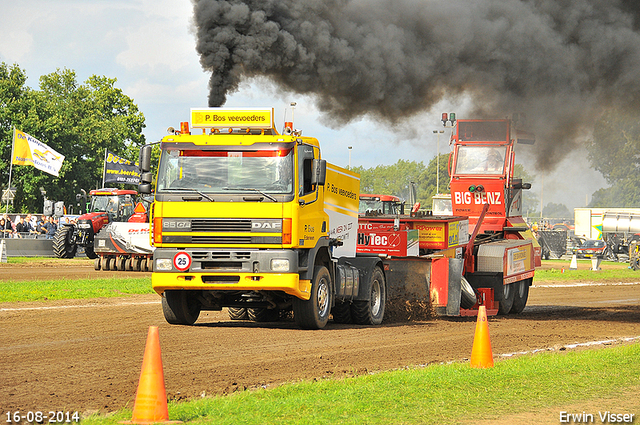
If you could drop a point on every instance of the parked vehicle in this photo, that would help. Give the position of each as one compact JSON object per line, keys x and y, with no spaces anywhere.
{"x":591,"y":248}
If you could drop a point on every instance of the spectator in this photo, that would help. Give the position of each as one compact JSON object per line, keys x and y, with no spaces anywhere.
{"x":7,"y":229}
{"x":2,"y":227}
{"x":30,"y":225}
{"x":21,"y":227}
{"x":40,"y":227}
{"x":52,"y":227}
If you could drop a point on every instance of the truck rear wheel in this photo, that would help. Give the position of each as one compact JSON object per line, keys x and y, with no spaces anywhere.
{"x":63,"y":246}
{"x":341,"y":312}
{"x":314,"y":312}
{"x":180,"y":307}
{"x":263,"y":314}
{"x":238,"y":313}
{"x":520,"y":296}
{"x":371,"y":312}
{"x":508,"y":294}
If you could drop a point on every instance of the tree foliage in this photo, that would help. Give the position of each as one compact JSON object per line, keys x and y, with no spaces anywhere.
{"x":615,"y":152}
{"x":79,"y":121}
{"x":553,"y":210}
{"x":398,"y":179}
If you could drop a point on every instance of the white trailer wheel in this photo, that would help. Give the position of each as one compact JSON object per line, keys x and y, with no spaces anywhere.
{"x":521,"y":295}
{"x":508,"y":295}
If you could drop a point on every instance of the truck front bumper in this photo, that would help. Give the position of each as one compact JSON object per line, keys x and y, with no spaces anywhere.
{"x":224,"y":270}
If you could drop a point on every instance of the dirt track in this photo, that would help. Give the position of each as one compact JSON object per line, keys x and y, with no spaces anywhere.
{"x":86,"y":355}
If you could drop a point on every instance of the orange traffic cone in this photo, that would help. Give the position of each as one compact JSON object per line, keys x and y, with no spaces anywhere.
{"x":151,"y":398}
{"x":481,"y":355}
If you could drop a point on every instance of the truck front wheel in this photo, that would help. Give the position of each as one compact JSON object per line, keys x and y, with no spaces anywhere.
{"x":371,"y":311}
{"x":180,"y":307}
{"x":314,"y":312}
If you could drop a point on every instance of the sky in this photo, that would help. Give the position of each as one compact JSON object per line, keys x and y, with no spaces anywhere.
{"x":149,"y":47}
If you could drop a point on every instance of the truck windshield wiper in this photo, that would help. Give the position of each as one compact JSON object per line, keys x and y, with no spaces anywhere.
{"x":252,"y":190}
{"x":188,"y":189}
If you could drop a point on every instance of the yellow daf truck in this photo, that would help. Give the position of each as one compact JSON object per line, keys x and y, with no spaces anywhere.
{"x":250,"y":219}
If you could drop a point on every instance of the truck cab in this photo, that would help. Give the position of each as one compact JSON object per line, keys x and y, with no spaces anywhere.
{"x":245,"y":217}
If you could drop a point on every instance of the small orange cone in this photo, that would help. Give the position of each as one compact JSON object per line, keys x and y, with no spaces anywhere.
{"x":151,"y":398}
{"x":481,"y":355}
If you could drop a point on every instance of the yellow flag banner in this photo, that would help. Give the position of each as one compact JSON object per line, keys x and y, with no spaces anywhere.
{"x":28,"y":150}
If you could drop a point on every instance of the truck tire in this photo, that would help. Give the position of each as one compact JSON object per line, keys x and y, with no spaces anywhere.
{"x":180,"y":307}
{"x":508,"y":294}
{"x":90,"y":252}
{"x":371,"y":312}
{"x":97,"y":263}
{"x":341,"y":312}
{"x":520,"y":296}
{"x":238,"y":313}
{"x":263,"y":314}
{"x":314,"y":312}
{"x":63,"y":247}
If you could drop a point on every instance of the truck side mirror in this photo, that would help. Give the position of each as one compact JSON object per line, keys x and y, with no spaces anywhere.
{"x":145,"y":160}
{"x":319,"y":172}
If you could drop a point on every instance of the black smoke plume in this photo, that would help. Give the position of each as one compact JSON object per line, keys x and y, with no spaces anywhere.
{"x":561,"y":62}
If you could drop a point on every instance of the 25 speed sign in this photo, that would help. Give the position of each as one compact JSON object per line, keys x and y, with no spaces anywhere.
{"x":182,"y":261}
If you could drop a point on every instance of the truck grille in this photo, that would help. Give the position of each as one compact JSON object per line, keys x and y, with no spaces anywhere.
{"x":213,"y":225}
{"x":221,"y":239}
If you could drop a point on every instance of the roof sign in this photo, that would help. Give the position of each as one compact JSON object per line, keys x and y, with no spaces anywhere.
{"x":232,"y":118}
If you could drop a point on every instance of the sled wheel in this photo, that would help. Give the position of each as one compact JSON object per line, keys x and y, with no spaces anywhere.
{"x":508,"y":294}
{"x":520,"y":295}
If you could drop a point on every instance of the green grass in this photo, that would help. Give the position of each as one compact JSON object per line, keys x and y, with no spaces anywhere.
{"x":36,"y":290}
{"x":432,"y":395}
{"x":610,"y":271}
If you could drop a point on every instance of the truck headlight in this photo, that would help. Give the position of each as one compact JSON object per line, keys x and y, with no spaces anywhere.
{"x":279,"y":265}
{"x":164,"y":264}
{"x":84,"y":225}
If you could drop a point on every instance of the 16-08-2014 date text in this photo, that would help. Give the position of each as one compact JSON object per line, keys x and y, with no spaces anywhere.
{"x":50,"y":417}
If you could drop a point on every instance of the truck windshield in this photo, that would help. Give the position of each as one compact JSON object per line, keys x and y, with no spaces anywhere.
{"x":480,"y":160}
{"x":267,"y":171}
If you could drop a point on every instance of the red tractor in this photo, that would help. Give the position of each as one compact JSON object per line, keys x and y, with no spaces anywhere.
{"x":107,"y":206}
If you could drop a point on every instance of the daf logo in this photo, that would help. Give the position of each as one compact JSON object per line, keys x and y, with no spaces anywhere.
{"x":265,"y":225}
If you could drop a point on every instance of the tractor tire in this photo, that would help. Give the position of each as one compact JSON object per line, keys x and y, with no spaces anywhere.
{"x":238,"y":313}
{"x":263,"y":314}
{"x":371,"y":312}
{"x":180,"y":307}
{"x":468,"y":296}
{"x":90,"y":252}
{"x":521,"y":295}
{"x":634,"y":255}
{"x":508,"y":295}
{"x":314,"y":312}
{"x":63,"y":247}
{"x":342,"y":312}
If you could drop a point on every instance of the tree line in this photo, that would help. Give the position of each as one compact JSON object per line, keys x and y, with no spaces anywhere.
{"x":78,"y":120}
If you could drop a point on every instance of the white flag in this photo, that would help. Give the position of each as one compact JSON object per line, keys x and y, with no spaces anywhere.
{"x":28,"y":150}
